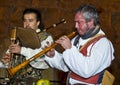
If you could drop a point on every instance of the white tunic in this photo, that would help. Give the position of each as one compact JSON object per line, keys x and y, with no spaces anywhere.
{"x":98,"y":59}
{"x":2,"y":65}
{"x":39,"y":63}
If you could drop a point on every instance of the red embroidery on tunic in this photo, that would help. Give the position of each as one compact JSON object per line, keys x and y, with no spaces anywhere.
{"x":83,"y":50}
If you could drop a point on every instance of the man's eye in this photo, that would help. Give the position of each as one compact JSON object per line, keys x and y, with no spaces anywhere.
{"x":31,"y":20}
{"x":24,"y":20}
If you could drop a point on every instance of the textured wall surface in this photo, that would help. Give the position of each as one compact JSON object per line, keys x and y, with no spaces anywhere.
{"x":55,"y":10}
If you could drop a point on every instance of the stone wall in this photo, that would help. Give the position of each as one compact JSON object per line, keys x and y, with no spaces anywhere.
{"x":54,"y":11}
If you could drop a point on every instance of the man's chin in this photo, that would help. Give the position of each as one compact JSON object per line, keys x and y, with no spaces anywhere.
{"x":81,"y":33}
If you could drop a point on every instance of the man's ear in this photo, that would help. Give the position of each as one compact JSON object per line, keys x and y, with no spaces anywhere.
{"x":91,"y":23}
{"x":38,"y":23}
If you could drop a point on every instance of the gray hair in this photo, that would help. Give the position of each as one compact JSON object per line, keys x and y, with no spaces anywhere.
{"x":89,"y":12}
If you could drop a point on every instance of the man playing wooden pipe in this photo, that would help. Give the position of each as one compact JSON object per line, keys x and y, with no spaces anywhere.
{"x":32,"y":20}
{"x":89,"y":53}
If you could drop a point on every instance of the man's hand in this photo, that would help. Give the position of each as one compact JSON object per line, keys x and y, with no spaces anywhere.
{"x":50,"y":53}
{"x":6,"y":58}
{"x":65,"y":42}
{"x":14,"y":48}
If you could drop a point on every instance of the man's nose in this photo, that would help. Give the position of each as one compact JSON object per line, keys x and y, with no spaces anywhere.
{"x":26,"y":25}
{"x":76,"y":25}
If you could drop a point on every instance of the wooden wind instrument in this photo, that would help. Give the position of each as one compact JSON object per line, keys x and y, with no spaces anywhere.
{"x":12,"y":41}
{"x":54,"y":25}
{"x":13,"y":70}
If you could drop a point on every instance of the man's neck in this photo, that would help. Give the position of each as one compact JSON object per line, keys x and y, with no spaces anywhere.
{"x":91,"y":32}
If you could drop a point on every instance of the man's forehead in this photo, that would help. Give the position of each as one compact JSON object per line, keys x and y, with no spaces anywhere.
{"x":78,"y":17}
{"x":30,"y":15}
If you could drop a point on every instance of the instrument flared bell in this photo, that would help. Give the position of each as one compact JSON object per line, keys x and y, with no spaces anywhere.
{"x":13,"y":70}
